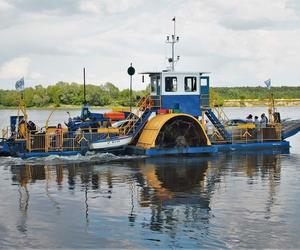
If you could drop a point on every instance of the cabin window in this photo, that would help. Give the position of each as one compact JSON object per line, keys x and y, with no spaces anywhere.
{"x":204,"y":82}
{"x":171,"y":84}
{"x":158,"y":86}
{"x":153,"y":84}
{"x":190,"y":84}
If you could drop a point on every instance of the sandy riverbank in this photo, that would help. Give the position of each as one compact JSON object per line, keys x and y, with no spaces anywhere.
{"x":261,"y":103}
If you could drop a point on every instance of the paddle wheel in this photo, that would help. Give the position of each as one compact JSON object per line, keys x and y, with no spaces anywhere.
{"x":180,"y":131}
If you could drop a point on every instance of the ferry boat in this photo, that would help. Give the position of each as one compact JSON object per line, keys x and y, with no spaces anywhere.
{"x":171,"y":119}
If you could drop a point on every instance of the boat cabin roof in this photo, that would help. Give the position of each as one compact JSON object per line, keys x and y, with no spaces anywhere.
{"x":172,"y":72}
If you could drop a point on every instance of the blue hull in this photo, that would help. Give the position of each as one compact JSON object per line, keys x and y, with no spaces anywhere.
{"x":172,"y":151}
{"x":45,"y":154}
{"x":252,"y":146}
{"x":211,"y":149}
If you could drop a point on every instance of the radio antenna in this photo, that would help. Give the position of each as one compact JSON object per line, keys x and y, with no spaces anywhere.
{"x":174,"y":39}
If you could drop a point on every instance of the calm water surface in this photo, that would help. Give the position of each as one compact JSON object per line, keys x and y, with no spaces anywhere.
{"x":236,"y":200}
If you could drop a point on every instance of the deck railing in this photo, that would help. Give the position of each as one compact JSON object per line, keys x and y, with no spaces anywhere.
{"x":53,"y":142}
{"x":145,"y":103}
{"x":249,"y":135}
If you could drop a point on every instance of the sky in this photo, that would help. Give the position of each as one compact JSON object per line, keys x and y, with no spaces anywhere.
{"x":241,"y":42}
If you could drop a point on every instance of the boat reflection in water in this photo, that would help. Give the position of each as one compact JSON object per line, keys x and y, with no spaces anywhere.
{"x":164,"y":199}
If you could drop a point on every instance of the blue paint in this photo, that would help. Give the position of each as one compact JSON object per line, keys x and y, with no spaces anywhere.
{"x":14,"y":121}
{"x":175,"y":151}
{"x":218,"y":125}
{"x":291,"y":132}
{"x":4,"y":149}
{"x":210,"y":149}
{"x":189,"y":104}
{"x":204,"y":88}
{"x":251,"y":146}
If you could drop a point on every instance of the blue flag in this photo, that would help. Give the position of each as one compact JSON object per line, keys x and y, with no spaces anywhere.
{"x":268,"y":83}
{"x":20,"y":84}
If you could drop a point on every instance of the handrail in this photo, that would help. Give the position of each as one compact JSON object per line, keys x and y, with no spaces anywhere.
{"x":143,"y":104}
{"x":52,"y":142}
{"x":221,"y":114}
{"x":249,"y":135}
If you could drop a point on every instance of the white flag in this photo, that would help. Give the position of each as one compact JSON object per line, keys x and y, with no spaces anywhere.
{"x":20,"y":84}
{"x":268,"y":83}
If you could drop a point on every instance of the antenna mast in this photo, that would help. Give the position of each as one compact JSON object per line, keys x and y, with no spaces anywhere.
{"x":174,"y":39}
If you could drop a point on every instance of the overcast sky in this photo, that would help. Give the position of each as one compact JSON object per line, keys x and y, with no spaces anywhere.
{"x":241,"y":42}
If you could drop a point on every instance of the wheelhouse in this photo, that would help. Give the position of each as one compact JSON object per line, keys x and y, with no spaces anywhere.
{"x":186,"y":92}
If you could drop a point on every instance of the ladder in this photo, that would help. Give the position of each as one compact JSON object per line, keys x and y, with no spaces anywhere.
{"x":223,"y":118}
{"x":135,"y":121}
{"x":218,"y":125}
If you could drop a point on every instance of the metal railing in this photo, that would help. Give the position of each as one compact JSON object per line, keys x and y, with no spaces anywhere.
{"x":62,"y":142}
{"x":223,"y":118}
{"x":52,"y":142}
{"x":145,"y":103}
{"x":249,"y":135}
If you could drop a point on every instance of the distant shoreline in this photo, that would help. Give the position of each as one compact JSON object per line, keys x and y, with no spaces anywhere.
{"x":226,"y":103}
{"x":260,"y":103}
{"x":69,"y":107}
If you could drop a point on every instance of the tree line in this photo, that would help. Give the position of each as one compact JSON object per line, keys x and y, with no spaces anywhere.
{"x":63,"y":93}
{"x":221,"y":94}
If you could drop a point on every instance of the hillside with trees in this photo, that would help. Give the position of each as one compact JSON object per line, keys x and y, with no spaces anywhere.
{"x":223,"y":95}
{"x":63,"y":93}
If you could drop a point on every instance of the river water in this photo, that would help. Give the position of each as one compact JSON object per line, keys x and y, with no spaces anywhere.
{"x":234,"y":200}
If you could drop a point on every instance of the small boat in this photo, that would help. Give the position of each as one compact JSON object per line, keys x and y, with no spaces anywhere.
{"x":111,"y":143}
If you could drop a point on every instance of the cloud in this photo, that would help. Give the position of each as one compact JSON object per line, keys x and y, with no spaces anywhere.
{"x":5,"y":5}
{"x":90,"y":6}
{"x":237,"y":40}
{"x":72,"y":7}
{"x":54,"y":7}
{"x":263,"y":24}
{"x":15,"y":68}
{"x":105,"y":7}
{"x":294,"y":5}
{"x":246,"y":15}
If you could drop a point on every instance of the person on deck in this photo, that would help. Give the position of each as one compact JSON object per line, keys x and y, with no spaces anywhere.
{"x":263,"y":121}
{"x":256,"y":121}
{"x":59,"y":136}
{"x":108,"y":123}
{"x":258,"y":131}
{"x":249,"y":118}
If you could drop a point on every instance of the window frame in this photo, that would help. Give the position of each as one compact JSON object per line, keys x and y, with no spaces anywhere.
{"x":193,"y":87}
{"x":205,"y":81}
{"x":169,"y":80}
{"x":153,"y":84}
